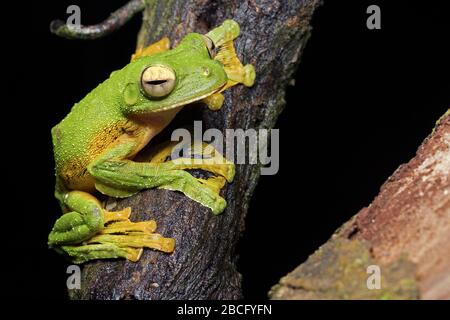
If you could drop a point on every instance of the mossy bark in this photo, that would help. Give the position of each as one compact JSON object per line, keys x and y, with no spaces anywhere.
{"x":405,"y":232}
{"x":273,"y":35}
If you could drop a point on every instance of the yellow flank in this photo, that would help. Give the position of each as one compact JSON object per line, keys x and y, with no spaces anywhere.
{"x":105,"y":138}
{"x":75,"y":175}
{"x":74,"y":172}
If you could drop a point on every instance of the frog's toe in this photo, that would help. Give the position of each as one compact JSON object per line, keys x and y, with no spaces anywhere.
{"x":121,"y":215}
{"x":249,"y":75}
{"x":214,"y":101}
{"x":84,"y":253}
{"x":127,"y":234}
{"x":121,"y":239}
{"x":219,"y":206}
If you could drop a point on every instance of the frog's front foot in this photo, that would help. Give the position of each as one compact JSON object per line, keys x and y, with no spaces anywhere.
{"x":199,"y":156}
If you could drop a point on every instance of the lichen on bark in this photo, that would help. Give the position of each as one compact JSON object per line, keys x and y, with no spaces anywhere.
{"x":339,"y":270}
{"x":407,"y":224}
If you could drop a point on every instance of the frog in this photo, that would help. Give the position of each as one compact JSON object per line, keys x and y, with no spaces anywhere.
{"x":98,"y":143}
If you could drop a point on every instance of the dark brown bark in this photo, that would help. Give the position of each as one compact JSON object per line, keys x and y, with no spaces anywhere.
{"x":406,"y":231}
{"x":273,"y":35}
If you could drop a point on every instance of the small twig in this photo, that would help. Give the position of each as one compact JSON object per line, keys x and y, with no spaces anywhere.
{"x":115,"y":21}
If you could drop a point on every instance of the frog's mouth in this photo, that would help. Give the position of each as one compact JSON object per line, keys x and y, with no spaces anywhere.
{"x":189,"y":101}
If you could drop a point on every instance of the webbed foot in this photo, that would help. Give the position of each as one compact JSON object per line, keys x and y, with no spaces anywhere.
{"x":91,"y":232}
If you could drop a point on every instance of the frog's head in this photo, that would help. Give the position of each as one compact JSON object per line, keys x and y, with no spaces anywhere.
{"x":172,"y":79}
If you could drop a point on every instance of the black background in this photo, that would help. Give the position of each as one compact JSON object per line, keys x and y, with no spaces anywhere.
{"x":363,"y":102}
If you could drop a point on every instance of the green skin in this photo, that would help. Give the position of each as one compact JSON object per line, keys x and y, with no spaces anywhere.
{"x":95,"y":143}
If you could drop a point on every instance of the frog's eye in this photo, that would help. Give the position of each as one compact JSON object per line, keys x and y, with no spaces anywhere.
{"x":209,"y":46}
{"x":158,"y":81}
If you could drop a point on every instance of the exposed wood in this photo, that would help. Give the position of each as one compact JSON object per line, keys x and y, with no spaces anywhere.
{"x":406,"y":231}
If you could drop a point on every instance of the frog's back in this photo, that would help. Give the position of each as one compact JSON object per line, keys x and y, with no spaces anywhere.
{"x":86,"y":131}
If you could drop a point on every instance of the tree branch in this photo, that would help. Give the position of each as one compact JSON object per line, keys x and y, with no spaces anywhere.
{"x":203,"y":266}
{"x":114,"y":22}
{"x":405,"y":231}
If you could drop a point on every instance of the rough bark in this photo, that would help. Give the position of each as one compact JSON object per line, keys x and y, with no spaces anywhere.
{"x":273,"y":35}
{"x":405,"y":231}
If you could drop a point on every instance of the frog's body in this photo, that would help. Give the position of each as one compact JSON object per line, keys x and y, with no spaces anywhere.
{"x":95,"y":143}
{"x":102,"y":115}
{"x":76,"y":146}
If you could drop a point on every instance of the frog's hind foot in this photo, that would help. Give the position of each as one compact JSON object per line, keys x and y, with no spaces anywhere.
{"x":121,"y":239}
{"x":91,"y":232}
